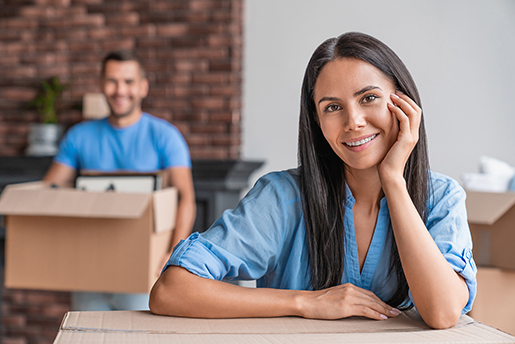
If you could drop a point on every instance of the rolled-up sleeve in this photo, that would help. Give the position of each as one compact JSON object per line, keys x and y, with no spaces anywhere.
{"x":200,"y":257}
{"x":244,"y":243}
{"x":447,"y":223}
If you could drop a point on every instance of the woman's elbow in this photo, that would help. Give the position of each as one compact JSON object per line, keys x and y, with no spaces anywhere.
{"x":443,"y":319}
{"x":444,"y":312}
{"x":157,"y":301}
{"x":164,"y":293}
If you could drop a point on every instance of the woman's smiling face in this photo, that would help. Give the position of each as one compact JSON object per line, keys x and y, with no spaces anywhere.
{"x":351,"y":98}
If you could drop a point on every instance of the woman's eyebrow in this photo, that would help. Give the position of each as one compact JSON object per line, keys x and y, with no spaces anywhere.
{"x":328,"y":99}
{"x":366,"y":89}
{"x":358,"y":93}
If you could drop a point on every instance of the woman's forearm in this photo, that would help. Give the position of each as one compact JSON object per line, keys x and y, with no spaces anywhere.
{"x":181,"y":293}
{"x":178,"y":292}
{"x":438,"y":291}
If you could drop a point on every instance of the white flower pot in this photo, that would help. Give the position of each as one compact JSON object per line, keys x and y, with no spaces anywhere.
{"x":44,"y":139}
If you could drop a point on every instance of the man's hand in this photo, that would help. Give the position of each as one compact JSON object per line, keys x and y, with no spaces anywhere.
{"x":60,"y":174}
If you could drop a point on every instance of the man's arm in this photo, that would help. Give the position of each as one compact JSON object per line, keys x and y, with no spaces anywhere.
{"x":181,"y":178}
{"x":60,"y":174}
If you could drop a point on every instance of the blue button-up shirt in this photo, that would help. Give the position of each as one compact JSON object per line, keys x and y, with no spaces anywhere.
{"x":264,"y":239}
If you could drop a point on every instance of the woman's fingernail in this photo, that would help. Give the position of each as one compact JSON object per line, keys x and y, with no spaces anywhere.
{"x":395,"y":96}
{"x":390,"y":104}
{"x":395,"y":311}
{"x":399,"y":92}
{"x":384,"y":317}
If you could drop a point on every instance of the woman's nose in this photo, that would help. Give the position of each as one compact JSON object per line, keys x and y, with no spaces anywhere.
{"x":354,"y":120}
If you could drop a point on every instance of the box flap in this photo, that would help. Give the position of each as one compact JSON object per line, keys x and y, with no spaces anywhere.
{"x":141,"y":326}
{"x":26,"y":186}
{"x":486,"y":208}
{"x":165,"y":208}
{"x":36,"y":199}
{"x":148,"y":322}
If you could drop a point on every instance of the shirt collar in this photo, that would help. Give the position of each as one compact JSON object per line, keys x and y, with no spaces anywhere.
{"x":350,"y":199}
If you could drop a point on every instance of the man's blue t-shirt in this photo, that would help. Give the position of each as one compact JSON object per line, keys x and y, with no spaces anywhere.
{"x":148,"y":145}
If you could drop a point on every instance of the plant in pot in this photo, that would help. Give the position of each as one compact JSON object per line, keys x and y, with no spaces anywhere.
{"x":44,"y":136}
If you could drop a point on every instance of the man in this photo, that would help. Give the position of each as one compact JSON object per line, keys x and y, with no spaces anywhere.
{"x":128,"y":140}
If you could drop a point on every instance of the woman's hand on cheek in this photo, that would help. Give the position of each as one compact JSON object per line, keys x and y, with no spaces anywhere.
{"x":409,"y":114}
{"x":343,"y":301}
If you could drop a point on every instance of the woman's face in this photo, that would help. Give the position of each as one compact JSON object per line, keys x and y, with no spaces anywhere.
{"x":351,"y":97}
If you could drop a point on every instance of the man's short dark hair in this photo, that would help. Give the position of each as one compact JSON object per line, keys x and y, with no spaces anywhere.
{"x":121,"y":56}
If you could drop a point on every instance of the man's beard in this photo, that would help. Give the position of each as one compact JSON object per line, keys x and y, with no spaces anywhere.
{"x":121,"y":115}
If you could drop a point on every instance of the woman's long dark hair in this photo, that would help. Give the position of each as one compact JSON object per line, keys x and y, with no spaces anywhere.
{"x":322,"y":172}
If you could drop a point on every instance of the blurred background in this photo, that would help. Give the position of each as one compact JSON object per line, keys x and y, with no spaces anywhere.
{"x":228,"y":74}
{"x":460,"y":54}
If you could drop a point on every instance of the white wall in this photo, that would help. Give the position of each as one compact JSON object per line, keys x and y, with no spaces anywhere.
{"x":461,"y":54}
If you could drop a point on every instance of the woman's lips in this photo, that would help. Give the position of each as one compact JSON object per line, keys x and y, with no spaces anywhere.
{"x":360,"y":141}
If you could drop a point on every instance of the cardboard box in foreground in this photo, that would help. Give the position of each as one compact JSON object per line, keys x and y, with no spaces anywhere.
{"x":73,"y":240}
{"x":495,"y":300}
{"x":144,"y":327}
{"x":491,"y":218}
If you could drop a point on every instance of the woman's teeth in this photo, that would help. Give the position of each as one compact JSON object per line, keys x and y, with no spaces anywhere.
{"x":361,"y":142}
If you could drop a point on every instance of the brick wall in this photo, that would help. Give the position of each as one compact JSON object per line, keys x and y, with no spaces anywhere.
{"x":32,"y":316}
{"x":192,"y":50}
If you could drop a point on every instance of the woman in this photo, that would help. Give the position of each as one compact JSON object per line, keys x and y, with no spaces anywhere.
{"x":362,"y":228}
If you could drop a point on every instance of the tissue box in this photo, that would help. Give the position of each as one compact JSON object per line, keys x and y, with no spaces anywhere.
{"x":491,"y":218}
{"x":485,"y":182}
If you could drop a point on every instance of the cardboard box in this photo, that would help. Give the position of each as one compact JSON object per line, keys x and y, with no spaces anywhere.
{"x":491,"y":218}
{"x":495,"y":300}
{"x":144,"y":327}
{"x":73,"y":240}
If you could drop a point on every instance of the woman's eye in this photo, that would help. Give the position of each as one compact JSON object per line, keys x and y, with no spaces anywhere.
{"x":369,"y":98}
{"x":332,"y":108}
